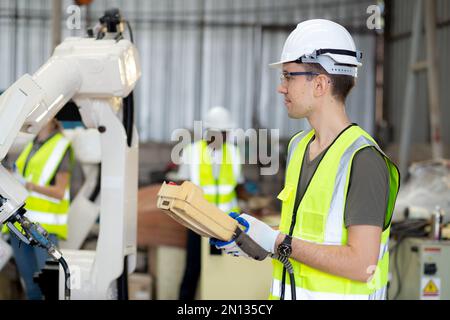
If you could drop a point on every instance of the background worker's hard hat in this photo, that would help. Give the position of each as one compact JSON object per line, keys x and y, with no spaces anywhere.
{"x":218,"y":118}
{"x":324,"y":42}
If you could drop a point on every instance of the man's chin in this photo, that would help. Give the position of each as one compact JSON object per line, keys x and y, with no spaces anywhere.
{"x":296,"y":115}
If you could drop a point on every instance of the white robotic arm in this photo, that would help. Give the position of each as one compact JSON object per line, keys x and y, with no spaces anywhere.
{"x":28,"y":104}
{"x":88,"y":70}
{"x":79,"y":68}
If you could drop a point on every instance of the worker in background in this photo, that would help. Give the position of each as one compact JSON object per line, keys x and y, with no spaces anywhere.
{"x":44,"y":167}
{"x":215,"y":166}
{"x":340,"y":188}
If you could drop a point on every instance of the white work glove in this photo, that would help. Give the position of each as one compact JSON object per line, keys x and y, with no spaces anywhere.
{"x":261,"y":233}
{"x":257,"y":230}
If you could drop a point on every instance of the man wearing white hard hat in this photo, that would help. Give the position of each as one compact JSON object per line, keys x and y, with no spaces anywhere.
{"x":215,"y":166}
{"x":340,"y":188}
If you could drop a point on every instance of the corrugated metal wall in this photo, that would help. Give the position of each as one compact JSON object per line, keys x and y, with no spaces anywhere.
{"x":398,"y":52}
{"x":196,"y":54}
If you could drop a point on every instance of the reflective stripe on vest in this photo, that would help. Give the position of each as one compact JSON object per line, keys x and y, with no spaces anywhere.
{"x":304,"y":294}
{"x":221,"y":191}
{"x":47,"y":217}
{"x":51,"y":213}
{"x":47,"y":198}
{"x":320,"y":217}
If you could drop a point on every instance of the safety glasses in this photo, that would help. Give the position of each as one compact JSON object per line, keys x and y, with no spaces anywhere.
{"x":287,"y":76}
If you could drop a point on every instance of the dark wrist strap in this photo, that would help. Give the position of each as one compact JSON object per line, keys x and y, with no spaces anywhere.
{"x":287,"y":240}
{"x":285,"y":247}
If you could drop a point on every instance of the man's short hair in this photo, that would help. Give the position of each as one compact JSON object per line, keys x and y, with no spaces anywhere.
{"x":341,"y":85}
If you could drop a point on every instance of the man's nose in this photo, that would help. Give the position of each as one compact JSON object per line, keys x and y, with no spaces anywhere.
{"x":281,"y":89}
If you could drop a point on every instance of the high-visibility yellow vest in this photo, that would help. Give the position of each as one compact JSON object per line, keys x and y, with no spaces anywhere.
{"x":220,"y":191}
{"x":320,"y":218}
{"x":49,"y":212}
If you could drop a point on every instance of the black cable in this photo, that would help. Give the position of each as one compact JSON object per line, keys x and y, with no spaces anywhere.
{"x":128,"y":111}
{"x":405,"y":229}
{"x":112,"y":19}
{"x":397,"y":269}
{"x":293,"y":288}
{"x":65,"y":267}
{"x":122,"y":282}
{"x":288,"y":267}
{"x":97,"y":187}
{"x":128,"y":117}
{"x":34,"y":235}
{"x":283,"y":283}
{"x":130,"y":31}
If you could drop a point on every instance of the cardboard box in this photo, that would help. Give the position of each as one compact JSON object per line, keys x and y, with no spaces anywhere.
{"x":140,"y":286}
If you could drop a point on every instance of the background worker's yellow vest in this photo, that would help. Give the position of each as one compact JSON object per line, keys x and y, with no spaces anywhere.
{"x":320,"y":218}
{"x":220,"y":191}
{"x":49,"y":212}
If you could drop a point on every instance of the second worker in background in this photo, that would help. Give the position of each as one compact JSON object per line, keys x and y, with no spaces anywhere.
{"x":215,"y":166}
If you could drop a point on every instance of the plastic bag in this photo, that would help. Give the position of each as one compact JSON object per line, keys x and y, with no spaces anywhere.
{"x":427,"y":188}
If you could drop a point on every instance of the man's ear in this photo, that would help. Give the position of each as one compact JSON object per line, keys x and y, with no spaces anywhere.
{"x":322,"y":84}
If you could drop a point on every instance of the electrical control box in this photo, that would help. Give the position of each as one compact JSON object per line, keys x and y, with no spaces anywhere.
{"x":420,"y":270}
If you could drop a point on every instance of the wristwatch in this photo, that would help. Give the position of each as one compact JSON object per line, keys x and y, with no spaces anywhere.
{"x":285,"y":248}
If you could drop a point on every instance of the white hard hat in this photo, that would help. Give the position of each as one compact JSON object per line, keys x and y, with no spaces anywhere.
{"x":218,"y":118}
{"x":324,"y":42}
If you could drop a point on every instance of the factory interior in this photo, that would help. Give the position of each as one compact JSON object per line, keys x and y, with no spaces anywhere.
{"x":131,"y":129}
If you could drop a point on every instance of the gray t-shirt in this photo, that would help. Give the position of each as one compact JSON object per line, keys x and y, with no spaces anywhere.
{"x":368,"y":187}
